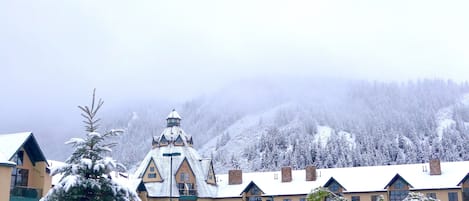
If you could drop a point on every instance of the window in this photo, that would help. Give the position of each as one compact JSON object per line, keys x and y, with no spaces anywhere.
{"x":452,"y":196}
{"x":163,"y":140}
{"x":18,"y":158}
{"x":255,"y":191}
{"x":19,"y":177}
{"x":255,"y":198}
{"x":286,"y":199}
{"x":355,"y":198}
{"x":152,"y":175}
{"x":186,"y":189}
{"x":184,"y":177}
{"x":431,"y":195}
{"x":302,"y":199}
{"x":269,"y":199}
{"x":152,"y":169}
{"x":399,"y":184}
{"x":375,"y":197}
{"x":179,"y":141}
{"x":398,"y":195}
{"x":334,"y":187}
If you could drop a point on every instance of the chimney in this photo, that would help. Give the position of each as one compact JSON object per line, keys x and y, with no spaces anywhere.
{"x":235,"y":177}
{"x":286,"y":174}
{"x":310,"y":173}
{"x":435,"y":168}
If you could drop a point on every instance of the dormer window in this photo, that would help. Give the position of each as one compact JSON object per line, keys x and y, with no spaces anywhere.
{"x":164,"y":141}
{"x":399,"y":190}
{"x":334,"y":187}
{"x":179,"y":141}
{"x":18,"y":158}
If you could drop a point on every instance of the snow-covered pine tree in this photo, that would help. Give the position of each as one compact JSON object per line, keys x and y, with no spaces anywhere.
{"x":86,"y":175}
{"x":418,"y":197}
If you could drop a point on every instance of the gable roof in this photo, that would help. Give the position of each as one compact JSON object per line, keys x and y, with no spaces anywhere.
{"x":356,"y":179}
{"x":249,"y":186}
{"x":331,"y":180}
{"x":190,"y":168}
{"x":156,"y":169}
{"x":464,"y":179}
{"x":161,"y":189}
{"x":396,"y":177}
{"x":11,"y":143}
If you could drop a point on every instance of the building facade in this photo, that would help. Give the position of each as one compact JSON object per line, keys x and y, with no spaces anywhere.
{"x":24,"y":173}
{"x":173,"y":170}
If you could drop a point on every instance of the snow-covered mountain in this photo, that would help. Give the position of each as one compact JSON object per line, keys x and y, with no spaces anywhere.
{"x":266,"y":124}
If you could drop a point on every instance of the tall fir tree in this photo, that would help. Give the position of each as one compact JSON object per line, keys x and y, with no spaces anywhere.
{"x":86,"y":175}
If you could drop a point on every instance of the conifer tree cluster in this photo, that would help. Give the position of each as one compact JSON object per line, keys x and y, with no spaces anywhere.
{"x":86,"y":175}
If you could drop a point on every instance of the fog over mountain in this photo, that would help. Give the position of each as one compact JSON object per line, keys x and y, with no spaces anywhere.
{"x":266,"y":124}
{"x":254,"y":75}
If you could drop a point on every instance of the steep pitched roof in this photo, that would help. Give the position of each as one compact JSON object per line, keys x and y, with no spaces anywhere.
{"x":11,"y":143}
{"x":249,"y":186}
{"x":332,"y":180}
{"x":355,"y":179}
{"x":396,"y":177}
{"x":161,"y":189}
{"x":464,"y":179}
{"x":174,"y":115}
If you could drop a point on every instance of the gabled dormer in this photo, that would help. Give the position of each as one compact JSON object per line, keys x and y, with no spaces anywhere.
{"x":211,"y":175}
{"x":179,"y":141}
{"x":398,"y":188}
{"x":185,"y":179}
{"x":252,"y":192}
{"x":152,"y":174}
{"x":163,"y":141}
{"x":334,"y":186}
{"x":398,"y":183}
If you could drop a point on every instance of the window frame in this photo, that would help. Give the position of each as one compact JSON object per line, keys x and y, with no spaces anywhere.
{"x":355,"y":198}
{"x":453,"y":196}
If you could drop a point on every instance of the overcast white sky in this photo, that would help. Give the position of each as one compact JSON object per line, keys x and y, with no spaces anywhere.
{"x":53,"y":52}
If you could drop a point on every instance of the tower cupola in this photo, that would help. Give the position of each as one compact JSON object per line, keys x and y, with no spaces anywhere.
{"x":173,"y":119}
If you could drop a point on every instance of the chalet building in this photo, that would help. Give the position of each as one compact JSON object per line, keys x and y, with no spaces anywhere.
{"x":173,"y":170}
{"x":24,"y":173}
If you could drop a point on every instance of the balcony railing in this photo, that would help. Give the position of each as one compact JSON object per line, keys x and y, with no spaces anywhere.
{"x":24,"y":193}
{"x":183,"y":192}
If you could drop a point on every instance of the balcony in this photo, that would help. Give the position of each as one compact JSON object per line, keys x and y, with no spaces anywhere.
{"x":25,"y":194}
{"x":187,"y":194}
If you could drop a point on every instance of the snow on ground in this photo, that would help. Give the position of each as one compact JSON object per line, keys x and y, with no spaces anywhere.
{"x":444,"y":120}
{"x":323,"y":135}
{"x":325,"y":132}
{"x":244,"y":130}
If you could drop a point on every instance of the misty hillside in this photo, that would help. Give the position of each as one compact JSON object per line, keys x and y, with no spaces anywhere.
{"x":266,"y":124}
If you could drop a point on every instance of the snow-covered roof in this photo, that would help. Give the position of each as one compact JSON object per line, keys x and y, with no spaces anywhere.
{"x":5,"y":162}
{"x":10,"y":143}
{"x":53,"y":164}
{"x":161,"y":189}
{"x":171,"y":134}
{"x":354,"y":179}
{"x":173,"y":115}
